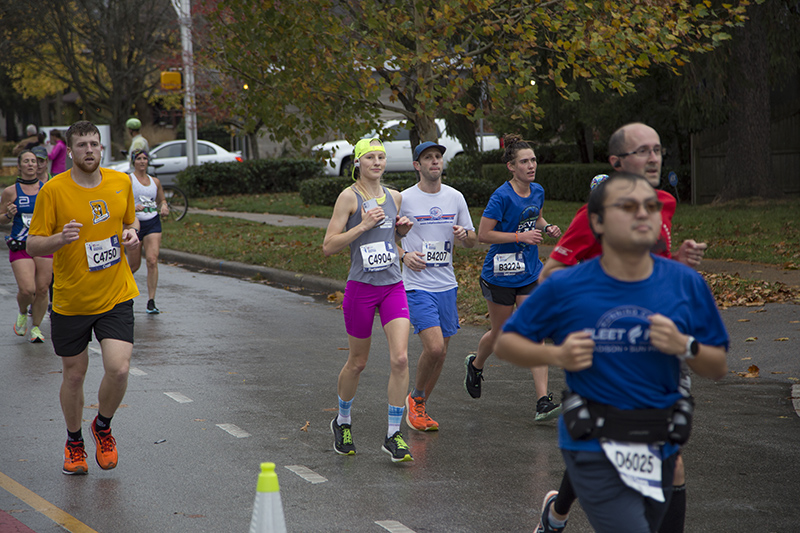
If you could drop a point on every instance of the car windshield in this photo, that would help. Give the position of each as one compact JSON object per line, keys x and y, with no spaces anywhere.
{"x":171,"y":150}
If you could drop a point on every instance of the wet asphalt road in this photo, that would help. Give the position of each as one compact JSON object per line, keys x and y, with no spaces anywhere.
{"x":264,"y":360}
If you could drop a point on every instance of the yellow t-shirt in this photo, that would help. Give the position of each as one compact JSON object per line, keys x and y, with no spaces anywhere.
{"x":91,"y":274}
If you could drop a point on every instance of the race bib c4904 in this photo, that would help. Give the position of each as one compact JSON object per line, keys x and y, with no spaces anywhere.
{"x":437,"y":253}
{"x":103,"y":254}
{"x":377,"y":256}
{"x":509,"y":264}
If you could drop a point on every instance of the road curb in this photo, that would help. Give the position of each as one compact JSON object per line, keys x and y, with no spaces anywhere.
{"x":244,"y":270}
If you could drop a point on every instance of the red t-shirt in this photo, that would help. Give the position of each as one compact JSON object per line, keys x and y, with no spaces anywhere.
{"x":579,"y":244}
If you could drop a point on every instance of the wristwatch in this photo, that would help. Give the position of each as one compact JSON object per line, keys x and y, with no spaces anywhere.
{"x":692,"y":347}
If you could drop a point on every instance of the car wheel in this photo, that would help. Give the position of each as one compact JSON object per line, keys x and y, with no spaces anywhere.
{"x":347,"y":167}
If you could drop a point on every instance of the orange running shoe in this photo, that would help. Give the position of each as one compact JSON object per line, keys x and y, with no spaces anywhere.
{"x":106,"y":454}
{"x":75,"y":459}
{"x":416,"y":417}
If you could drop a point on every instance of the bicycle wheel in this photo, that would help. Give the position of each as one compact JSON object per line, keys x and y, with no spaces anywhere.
{"x":177,"y":202}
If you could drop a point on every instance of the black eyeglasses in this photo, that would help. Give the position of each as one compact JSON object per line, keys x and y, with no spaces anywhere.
{"x":645,"y":151}
{"x":632,"y":206}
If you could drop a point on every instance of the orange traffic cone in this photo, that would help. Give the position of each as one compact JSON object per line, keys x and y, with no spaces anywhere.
{"x":267,"y":509}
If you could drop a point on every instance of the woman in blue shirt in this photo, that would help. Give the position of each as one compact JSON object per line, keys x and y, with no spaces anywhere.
{"x":514,"y":226}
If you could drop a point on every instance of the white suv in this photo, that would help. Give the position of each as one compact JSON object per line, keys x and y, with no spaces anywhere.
{"x":398,"y":151}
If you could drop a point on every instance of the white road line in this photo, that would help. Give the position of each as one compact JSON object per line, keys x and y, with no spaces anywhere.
{"x":394,"y":526}
{"x":307,"y":474}
{"x":137,"y":372}
{"x":796,"y":398}
{"x":95,"y":350}
{"x":178,"y":397}
{"x":234,"y":430}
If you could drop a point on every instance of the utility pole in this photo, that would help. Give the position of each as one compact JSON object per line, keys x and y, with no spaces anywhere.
{"x":184,"y":10}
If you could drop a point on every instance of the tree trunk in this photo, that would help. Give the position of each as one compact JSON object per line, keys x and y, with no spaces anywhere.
{"x":748,"y":163}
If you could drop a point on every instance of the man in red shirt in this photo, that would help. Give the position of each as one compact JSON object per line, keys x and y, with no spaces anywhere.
{"x":634,"y":148}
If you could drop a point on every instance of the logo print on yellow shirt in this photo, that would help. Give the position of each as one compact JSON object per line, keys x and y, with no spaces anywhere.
{"x":99,"y":211}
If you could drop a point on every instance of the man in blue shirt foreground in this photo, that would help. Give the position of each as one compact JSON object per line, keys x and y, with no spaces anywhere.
{"x":621,"y":325}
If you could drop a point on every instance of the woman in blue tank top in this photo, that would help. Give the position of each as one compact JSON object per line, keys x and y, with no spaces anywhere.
{"x":514,"y":226}
{"x":33,"y":274}
{"x":365,"y":220}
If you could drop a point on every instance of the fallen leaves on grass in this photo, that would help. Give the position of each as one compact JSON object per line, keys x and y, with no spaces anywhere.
{"x":730,"y":290}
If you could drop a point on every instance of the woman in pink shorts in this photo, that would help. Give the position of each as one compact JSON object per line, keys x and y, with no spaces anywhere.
{"x":365,"y":218}
{"x":33,"y":274}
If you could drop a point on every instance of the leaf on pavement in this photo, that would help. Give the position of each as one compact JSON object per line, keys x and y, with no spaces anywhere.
{"x":305,"y":426}
{"x":781,"y":339}
{"x":751,"y":339}
{"x":752,"y":372}
{"x":336,"y":297}
{"x":744,"y":320}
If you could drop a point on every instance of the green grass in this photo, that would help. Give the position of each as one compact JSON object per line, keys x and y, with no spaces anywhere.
{"x":753,"y":231}
{"x":278,"y":204}
{"x":745,"y":230}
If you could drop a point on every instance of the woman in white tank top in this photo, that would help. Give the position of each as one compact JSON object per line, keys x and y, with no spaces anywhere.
{"x":150,"y":203}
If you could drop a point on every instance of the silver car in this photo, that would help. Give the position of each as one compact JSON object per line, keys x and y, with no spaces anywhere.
{"x":169,"y":158}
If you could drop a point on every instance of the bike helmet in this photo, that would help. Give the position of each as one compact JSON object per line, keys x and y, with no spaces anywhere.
{"x":133,"y":124}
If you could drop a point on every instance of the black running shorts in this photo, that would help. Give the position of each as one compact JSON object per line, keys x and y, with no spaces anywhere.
{"x":72,"y":334}
{"x":505,"y":295}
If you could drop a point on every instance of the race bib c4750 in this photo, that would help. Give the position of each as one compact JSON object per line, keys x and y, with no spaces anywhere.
{"x":103,"y":254}
{"x":377,"y":256}
{"x":437,"y":253}
{"x":509,"y":264}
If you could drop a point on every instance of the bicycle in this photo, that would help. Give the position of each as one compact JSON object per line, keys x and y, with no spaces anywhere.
{"x":177,"y":201}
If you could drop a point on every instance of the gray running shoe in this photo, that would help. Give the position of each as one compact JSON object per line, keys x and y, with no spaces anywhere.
{"x":472,"y":382}
{"x":342,"y":439}
{"x":397,"y":448}
{"x":546,"y":409}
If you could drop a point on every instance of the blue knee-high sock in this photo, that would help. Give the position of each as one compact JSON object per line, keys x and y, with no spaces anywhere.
{"x":395,"y":417}
{"x":344,"y":411}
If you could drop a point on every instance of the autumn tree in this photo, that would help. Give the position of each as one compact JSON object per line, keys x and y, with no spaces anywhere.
{"x":326,"y":64}
{"x":108,"y":52}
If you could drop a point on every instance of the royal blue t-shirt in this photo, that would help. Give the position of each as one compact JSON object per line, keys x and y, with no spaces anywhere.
{"x":514,"y":213}
{"x":627,"y":371}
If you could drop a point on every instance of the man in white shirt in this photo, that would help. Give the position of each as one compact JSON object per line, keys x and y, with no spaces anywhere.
{"x":441,"y":218}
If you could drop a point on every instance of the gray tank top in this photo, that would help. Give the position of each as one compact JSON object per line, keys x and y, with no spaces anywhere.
{"x":373,"y":256}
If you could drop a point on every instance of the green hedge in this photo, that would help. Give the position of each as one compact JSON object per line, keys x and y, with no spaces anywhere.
{"x":249,"y":177}
{"x":561,"y":182}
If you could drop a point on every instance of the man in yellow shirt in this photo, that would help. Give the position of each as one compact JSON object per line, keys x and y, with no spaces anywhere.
{"x":85,"y":217}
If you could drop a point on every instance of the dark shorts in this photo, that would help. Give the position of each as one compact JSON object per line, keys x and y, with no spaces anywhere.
{"x":146,"y":227}
{"x":609,"y":504}
{"x":505,"y":295}
{"x":72,"y":334}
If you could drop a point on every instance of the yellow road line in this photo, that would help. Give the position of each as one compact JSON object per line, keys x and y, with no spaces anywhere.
{"x":40,"y":505}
